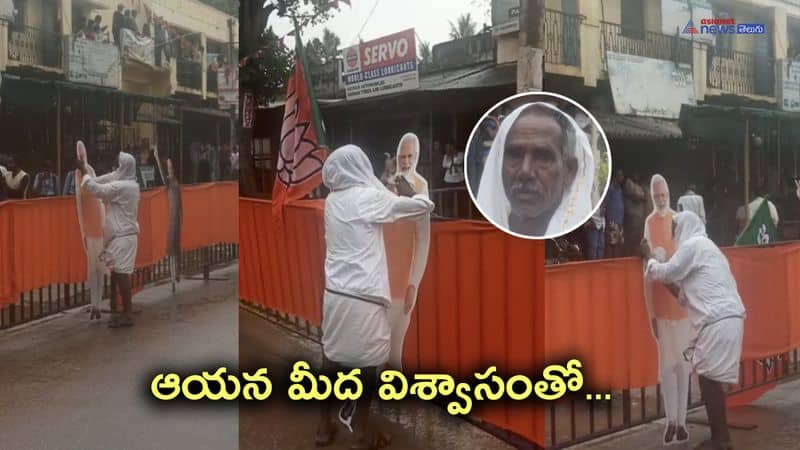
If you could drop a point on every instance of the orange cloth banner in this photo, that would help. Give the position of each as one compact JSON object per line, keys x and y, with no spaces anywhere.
{"x":40,"y":241}
{"x":479,"y":302}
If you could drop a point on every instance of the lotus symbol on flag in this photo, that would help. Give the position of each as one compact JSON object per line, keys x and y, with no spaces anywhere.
{"x":763,"y":236}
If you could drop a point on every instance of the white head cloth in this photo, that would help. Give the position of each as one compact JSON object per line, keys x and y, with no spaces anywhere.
{"x":688,"y":225}
{"x":347,"y":167}
{"x":576,"y":201}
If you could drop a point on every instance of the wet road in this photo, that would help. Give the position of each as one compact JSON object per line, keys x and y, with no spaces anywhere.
{"x":71,"y":384}
{"x":278,"y":424}
{"x":776,"y":416}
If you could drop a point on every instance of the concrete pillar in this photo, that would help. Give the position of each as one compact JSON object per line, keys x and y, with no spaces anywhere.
{"x":591,"y":41}
{"x":3,"y":46}
{"x":700,"y":70}
{"x":173,"y":75}
{"x":780,"y":33}
{"x":66,"y":17}
{"x":204,"y":65}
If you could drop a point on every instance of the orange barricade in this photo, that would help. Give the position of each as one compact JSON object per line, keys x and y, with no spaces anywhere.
{"x":464,"y":321}
{"x":595,"y":310}
{"x":40,"y":239}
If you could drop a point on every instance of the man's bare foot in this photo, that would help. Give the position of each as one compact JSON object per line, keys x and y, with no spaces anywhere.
{"x":669,"y":434}
{"x":682,"y":435}
{"x":325,"y":434}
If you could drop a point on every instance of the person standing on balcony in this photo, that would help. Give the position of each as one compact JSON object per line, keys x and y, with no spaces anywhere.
{"x":707,"y":288}
{"x":45,"y":183}
{"x":117,"y":24}
{"x":132,"y":25}
{"x":120,"y":193}
{"x":17,"y":180}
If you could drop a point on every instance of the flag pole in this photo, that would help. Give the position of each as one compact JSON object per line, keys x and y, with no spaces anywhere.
{"x":301,"y":57}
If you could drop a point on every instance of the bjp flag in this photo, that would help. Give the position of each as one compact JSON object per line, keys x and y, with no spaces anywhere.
{"x":302,"y":148}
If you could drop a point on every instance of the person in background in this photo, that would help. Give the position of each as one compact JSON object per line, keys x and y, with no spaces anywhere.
{"x":758,"y":196}
{"x":235,"y":162}
{"x":117,"y":23}
{"x":88,"y":31}
{"x":69,"y":184}
{"x":17,"y":180}
{"x":389,"y":168}
{"x":636,"y":198}
{"x":595,"y":233}
{"x":3,"y":170}
{"x":160,"y":38}
{"x":691,"y":201}
{"x":615,"y":216}
{"x":453,"y":164}
{"x":45,"y":183}
{"x":132,"y":25}
{"x":479,"y":151}
{"x":97,"y":27}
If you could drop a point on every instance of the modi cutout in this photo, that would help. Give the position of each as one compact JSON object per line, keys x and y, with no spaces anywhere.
{"x":669,"y":321}
{"x":407,"y":245}
{"x":539,"y":175}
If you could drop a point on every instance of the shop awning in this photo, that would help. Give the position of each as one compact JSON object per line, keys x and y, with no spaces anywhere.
{"x":617,"y":126}
{"x":208,"y":111}
{"x":727,"y":123}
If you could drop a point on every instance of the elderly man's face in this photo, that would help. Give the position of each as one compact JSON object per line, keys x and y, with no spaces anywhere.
{"x":660,"y":195}
{"x":406,"y":157}
{"x":535,"y":172}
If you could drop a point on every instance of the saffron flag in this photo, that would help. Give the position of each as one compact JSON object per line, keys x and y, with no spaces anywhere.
{"x":302,"y":148}
{"x":760,"y":230}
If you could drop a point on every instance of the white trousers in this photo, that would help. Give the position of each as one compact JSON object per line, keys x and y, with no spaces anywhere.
{"x":674,"y":336}
{"x":95,"y":269}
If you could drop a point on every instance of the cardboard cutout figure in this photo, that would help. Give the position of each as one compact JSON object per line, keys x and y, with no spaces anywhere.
{"x":91,"y":217}
{"x":669,"y":321}
{"x":407,"y":245}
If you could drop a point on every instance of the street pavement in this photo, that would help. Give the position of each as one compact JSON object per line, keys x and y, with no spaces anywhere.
{"x":68,"y":383}
{"x":776,"y":416}
{"x":280,"y":424}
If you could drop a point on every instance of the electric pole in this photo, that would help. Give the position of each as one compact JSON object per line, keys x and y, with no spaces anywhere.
{"x":530,"y":64}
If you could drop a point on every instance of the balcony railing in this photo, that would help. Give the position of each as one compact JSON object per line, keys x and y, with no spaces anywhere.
{"x":619,"y":39}
{"x":190,"y":74}
{"x":34,"y":47}
{"x":562,"y":38}
{"x":740,"y":73}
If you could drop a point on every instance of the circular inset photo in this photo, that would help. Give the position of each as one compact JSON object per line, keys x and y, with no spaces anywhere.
{"x":538,"y":165}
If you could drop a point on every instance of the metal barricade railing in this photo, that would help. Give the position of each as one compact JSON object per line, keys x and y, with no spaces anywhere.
{"x":190,"y":74}
{"x":574,"y":421}
{"x":49,"y":300}
{"x":639,"y":42}
{"x":35,"y":47}
{"x":454,"y":203}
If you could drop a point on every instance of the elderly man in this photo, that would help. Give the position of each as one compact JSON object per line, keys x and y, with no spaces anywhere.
{"x":708,"y":290}
{"x":669,"y":321}
{"x":355,"y":324}
{"x":538,"y":178}
{"x":120,"y":193}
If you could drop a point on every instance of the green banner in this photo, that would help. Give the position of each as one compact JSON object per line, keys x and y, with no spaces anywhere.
{"x":760,"y":230}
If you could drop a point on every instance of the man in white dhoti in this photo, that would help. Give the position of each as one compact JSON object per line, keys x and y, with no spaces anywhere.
{"x":411,"y":243}
{"x":539,"y":174}
{"x":120,"y":193}
{"x":708,"y":290}
{"x":669,"y":321}
{"x":355,"y":323}
{"x":691,"y":201}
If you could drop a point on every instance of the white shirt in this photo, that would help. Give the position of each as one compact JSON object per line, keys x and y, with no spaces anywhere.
{"x":704,"y":276}
{"x":753,"y":206}
{"x":121,"y":198}
{"x":694,"y":203}
{"x":355,"y":259}
{"x":454,"y":166}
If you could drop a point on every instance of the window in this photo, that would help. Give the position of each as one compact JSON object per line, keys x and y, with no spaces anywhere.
{"x":633,"y":19}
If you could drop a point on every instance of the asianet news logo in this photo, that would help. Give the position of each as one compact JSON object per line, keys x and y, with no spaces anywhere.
{"x":724,"y":26}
